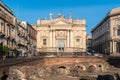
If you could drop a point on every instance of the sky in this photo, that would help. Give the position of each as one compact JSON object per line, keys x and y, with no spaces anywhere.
{"x":91,"y":10}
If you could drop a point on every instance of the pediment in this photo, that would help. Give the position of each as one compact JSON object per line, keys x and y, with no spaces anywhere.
{"x":61,"y":23}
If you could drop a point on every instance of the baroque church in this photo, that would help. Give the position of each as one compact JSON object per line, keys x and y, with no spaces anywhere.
{"x":61,"y":34}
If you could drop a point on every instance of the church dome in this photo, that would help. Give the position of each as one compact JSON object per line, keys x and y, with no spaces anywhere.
{"x":115,"y":11}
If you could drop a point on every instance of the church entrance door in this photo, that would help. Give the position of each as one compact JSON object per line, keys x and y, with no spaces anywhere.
{"x":61,"y":45}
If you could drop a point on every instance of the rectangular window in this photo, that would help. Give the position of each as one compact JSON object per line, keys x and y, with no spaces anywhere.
{"x":77,"y":42}
{"x":44,"y":41}
{"x":118,"y":21}
{"x":118,"y":32}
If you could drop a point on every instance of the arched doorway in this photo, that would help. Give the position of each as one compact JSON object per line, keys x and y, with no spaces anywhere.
{"x":80,"y":68}
{"x":62,"y":70}
{"x":91,"y":68}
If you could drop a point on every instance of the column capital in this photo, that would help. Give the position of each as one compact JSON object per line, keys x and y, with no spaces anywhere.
{"x":53,"y":29}
{"x":68,"y":30}
{"x":50,"y":30}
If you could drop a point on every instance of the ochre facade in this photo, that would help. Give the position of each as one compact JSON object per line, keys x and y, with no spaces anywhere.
{"x":61,"y":35}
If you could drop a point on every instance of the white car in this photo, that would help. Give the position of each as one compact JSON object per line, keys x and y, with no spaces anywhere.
{"x":89,"y":53}
{"x":98,"y":55}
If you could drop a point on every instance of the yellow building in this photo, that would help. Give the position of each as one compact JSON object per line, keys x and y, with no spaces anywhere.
{"x":61,"y":35}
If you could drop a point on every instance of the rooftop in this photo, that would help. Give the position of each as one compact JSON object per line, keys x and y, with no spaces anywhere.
{"x":114,"y":11}
{"x":6,"y":7}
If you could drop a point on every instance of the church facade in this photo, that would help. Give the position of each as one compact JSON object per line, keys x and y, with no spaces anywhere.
{"x":61,"y":35}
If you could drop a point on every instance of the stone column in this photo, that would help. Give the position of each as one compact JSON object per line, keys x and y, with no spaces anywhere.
{"x":113,"y":47}
{"x":71,"y":38}
{"x":51,"y":37}
{"x":67,"y":38}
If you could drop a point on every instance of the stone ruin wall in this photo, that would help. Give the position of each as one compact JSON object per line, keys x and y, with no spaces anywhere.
{"x":64,"y":67}
{"x":73,"y":67}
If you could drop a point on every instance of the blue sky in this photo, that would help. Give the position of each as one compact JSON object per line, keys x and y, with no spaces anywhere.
{"x":91,"y":10}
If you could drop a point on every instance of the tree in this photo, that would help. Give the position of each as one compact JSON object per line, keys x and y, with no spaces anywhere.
{"x":5,"y":50}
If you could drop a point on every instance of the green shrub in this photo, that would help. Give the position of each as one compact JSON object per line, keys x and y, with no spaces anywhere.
{"x":5,"y":50}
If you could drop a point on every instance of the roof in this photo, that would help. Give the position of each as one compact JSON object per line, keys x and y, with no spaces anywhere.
{"x":114,"y":11}
{"x":6,"y":7}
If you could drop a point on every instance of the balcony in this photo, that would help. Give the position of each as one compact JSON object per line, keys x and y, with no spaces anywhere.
{"x":7,"y":18}
{"x":116,"y":38}
{"x":20,"y":43}
{"x":12,"y":38}
{"x":28,"y":42}
{"x":2,"y":34}
{"x":7,"y":36}
{"x":29,"y":35}
{"x":18,"y":33}
{"x":2,"y":15}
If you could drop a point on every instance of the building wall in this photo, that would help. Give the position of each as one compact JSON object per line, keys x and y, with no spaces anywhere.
{"x":105,"y":36}
{"x":115,"y":37}
{"x":7,"y":27}
{"x":101,"y":38}
{"x":14,"y":33}
{"x":30,"y":37}
{"x":89,"y":43}
{"x":21,"y":38}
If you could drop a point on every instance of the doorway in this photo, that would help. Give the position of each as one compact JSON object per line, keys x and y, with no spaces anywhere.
{"x":61,"y":45}
{"x":118,"y":47}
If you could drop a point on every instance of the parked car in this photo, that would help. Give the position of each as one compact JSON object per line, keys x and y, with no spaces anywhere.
{"x":88,"y":53}
{"x":98,"y":55}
